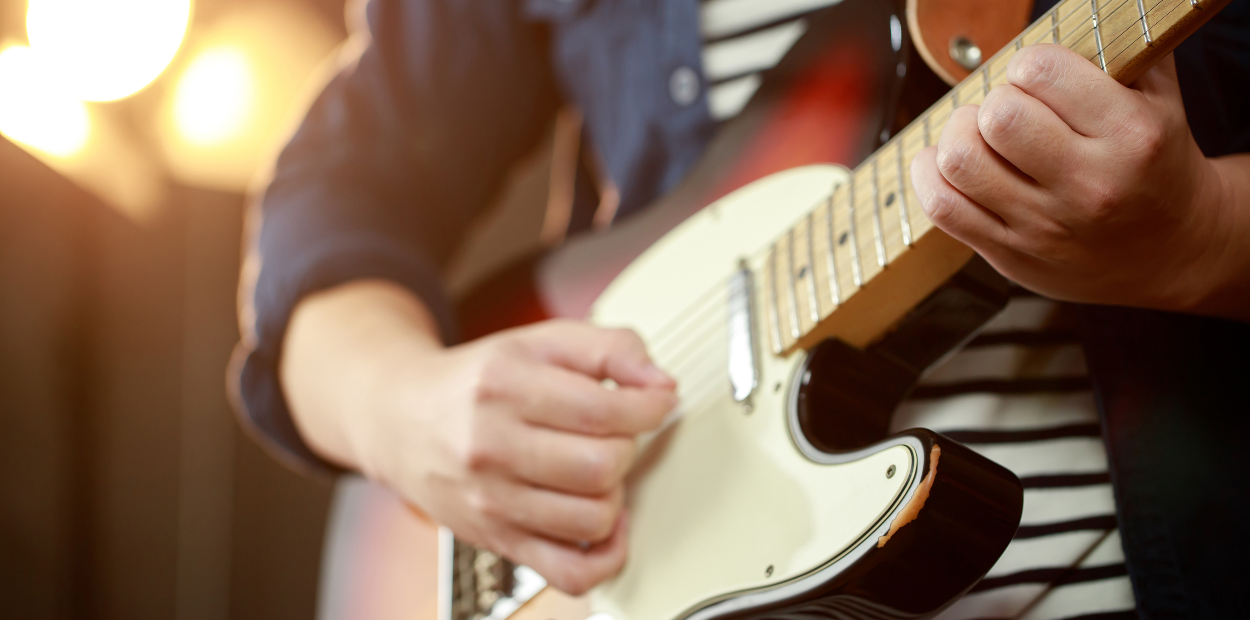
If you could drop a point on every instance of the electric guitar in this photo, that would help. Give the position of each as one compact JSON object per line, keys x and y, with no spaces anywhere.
{"x":796,"y":310}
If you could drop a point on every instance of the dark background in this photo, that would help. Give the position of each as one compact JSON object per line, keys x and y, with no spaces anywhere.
{"x":127,"y":489}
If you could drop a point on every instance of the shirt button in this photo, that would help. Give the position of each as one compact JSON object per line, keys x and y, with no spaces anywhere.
{"x":683,"y":86}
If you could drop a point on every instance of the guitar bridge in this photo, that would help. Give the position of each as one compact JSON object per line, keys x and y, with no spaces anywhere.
{"x":476,"y":584}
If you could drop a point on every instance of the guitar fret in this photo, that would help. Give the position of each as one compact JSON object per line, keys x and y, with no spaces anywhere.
{"x":856,"y":270}
{"x":774,"y":314}
{"x":795,"y":320}
{"x":1145,"y":25}
{"x":1102,"y":61}
{"x":835,"y":290}
{"x":812,"y":303}
{"x":795,"y":332}
{"x":877,"y":231}
{"x":904,"y":218}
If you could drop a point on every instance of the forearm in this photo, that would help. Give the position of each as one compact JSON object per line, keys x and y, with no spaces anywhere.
{"x":338,"y":346}
{"x":1227,"y":292}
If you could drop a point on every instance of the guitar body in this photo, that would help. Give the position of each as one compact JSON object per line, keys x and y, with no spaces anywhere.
{"x":734,"y":509}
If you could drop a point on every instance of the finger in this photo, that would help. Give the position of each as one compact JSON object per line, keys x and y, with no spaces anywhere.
{"x":949,"y":209}
{"x":1161,"y":90}
{"x":616,"y":354}
{"x":979,"y":173}
{"x":563,"y":399}
{"x":570,"y":462}
{"x":1082,"y":95}
{"x":559,"y":516}
{"x":1029,"y":136}
{"x":570,"y":568}
{"x":1160,"y":83}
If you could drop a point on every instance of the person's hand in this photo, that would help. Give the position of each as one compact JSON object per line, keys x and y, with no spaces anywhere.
{"x":1082,"y":189}
{"x":514,"y":442}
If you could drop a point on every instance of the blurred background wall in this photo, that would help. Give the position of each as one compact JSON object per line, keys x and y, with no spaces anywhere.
{"x":131,"y":129}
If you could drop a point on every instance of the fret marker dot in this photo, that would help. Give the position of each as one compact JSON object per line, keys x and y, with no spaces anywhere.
{"x":889,"y":200}
{"x":842,"y":239}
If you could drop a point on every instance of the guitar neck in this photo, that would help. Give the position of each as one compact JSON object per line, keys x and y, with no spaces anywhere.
{"x":865,"y":256}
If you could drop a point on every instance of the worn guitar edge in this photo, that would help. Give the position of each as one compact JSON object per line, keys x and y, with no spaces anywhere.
{"x":970,"y":512}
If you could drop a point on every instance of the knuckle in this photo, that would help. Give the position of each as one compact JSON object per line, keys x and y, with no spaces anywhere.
{"x":954,"y":160}
{"x":999,"y":116}
{"x":627,"y":338}
{"x":1103,"y":205}
{"x":478,"y":501}
{"x":602,"y":519}
{"x":599,"y":471}
{"x":940,"y":207}
{"x":1151,"y":140}
{"x":491,"y":376}
{"x":1047,"y":240}
{"x":594,"y":416}
{"x":1034,"y":66}
{"x":573,"y":582}
{"x":480,"y":453}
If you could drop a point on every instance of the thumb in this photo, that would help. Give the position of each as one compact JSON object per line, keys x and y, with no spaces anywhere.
{"x":1159,"y":83}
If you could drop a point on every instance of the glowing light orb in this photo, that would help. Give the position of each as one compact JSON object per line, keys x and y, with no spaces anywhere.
{"x":214,"y":96}
{"x":102,"y":50}
{"x":33,"y":112}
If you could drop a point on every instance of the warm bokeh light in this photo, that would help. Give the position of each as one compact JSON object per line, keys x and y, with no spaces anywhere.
{"x":101,"y":50}
{"x":34,"y":113}
{"x":233,"y":95}
{"x":214,"y":96}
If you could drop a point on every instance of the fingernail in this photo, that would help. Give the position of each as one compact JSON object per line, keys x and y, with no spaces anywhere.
{"x":673,"y":401}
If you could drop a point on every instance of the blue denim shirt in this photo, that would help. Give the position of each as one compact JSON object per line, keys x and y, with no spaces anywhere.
{"x":409,"y":143}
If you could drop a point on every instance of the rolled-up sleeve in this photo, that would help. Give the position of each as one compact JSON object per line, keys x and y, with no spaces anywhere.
{"x":398,"y":154}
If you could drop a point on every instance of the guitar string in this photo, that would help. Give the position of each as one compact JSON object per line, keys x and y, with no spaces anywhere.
{"x":720,"y":285}
{"x":1041,"y":36}
{"x":763,"y":250}
{"x":1081,"y":34}
{"x":697,"y":373}
{"x":698,"y":309}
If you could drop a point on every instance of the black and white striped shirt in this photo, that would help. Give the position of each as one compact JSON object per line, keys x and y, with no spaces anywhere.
{"x":1019,"y":393}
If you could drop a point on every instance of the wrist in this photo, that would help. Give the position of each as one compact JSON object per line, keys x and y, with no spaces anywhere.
{"x":1221,"y":278}
{"x":392,"y":371}
{"x":341,"y":346}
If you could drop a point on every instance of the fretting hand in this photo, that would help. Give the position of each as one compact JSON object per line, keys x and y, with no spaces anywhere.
{"x":1082,"y":189}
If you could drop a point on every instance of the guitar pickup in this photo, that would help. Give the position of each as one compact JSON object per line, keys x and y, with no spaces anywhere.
{"x":743,"y":369}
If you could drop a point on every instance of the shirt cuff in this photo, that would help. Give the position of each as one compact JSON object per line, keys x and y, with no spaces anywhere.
{"x":255,"y":387}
